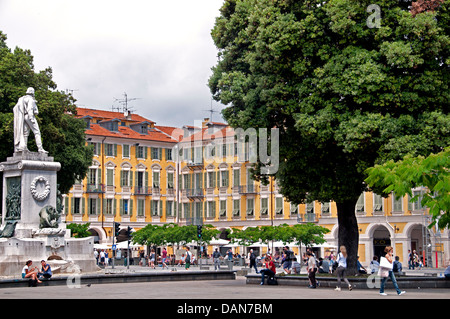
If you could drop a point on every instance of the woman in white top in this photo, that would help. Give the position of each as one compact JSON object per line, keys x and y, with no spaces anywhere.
{"x":31,"y":273}
{"x":390,"y":258}
{"x":341,"y":259}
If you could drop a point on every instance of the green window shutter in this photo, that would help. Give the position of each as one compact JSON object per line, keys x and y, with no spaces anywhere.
{"x":135,"y":178}
{"x":115,"y":150}
{"x":99,"y":176}
{"x":121,"y":207}
{"x":121,"y":178}
{"x":160,"y":212}
{"x":83,"y":205}
{"x":130,"y":207}
{"x":146,"y":179}
{"x":72,"y":205}
{"x":99,"y":206}
{"x":145,"y":152}
{"x":114,"y":207}
{"x":66,"y":205}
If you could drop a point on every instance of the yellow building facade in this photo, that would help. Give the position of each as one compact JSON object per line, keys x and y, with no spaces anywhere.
{"x":144,"y":173}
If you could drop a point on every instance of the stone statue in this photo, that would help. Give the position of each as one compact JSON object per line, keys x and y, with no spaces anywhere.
{"x":24,"y":121}
{"x":48,"y":217}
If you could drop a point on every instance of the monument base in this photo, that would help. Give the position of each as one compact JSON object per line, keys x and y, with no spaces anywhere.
{"x":29,"y":202}
{"x":64,"y":255}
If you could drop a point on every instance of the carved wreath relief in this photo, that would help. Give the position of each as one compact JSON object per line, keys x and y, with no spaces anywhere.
{"x":40,"y":196}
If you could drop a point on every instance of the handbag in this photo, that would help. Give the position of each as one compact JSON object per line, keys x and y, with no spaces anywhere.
{"x":385,"y":263}
{"x":383,"y":272}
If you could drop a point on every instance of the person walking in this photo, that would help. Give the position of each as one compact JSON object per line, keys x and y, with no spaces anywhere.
{"x":341,"y":260}
{"x":252,"y":258}
{"x":216,"y":259}
{"x":311,"y":269}
{"x":385,"y":271}
{"x":152,"y":258}
{"x":164,"y":258}
{"x":188,"y":258}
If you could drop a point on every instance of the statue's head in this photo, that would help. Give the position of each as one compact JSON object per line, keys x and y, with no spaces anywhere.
{"x":30,"y":91}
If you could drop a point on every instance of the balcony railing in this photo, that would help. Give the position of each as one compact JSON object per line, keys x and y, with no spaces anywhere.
{"x":193,"y":193}
{"x":248,"y":189}
{"x":95,"y":188}
{"x":142,"y":190}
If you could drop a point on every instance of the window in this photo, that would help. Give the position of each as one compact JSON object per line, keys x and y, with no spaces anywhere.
{"x":169,"y":208}
{"x":236,"y":177}
{"x":156,"y":153}
{"x":125,"y":178}
{"x":155,"y":207}
{"x":212,"y":209}
{"x":397,"y":203}
{"x":110,"y":177}
{"x":141,"y":152}
{"x":126,"y":206}
{"x":250,"y":206}
{"x":294,"y":209}
{"x":170,"y":180}
{"x":264,"y":206}
{"x":169,"y":154}
{"x":223,"y":208}
{"x":109,"y":206}
{"x":360,"y":203}
{"x":93,"y":206}
{"x":186,"y":182}
{"x":110,"y":149}
{"x":279,"y":205}
{"x":417,"y":203}
{"x":224,"y":178}
{"x":326,"y":208}
{"x":211,"y":179}
{"x":141,"y":207}
{"x":125,"y":150}
{"x":96,"y":147}
{"x":92,"y":177}
{"x":186,"y":211}
{"x":76,"y":206}
{"x":155,"y":177}
{"x":236,"y":207}
{"x":310,"y":208}
{"x":377,"y":203}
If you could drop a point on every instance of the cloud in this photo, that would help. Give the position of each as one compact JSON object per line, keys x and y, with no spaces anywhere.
{"x":159,"y":52}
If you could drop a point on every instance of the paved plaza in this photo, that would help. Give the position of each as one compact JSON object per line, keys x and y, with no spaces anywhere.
{"x":213,"y":289}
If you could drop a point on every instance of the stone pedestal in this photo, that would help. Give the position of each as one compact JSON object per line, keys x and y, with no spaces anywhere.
{"x":37,"y":175}
{"x":29,"y":185}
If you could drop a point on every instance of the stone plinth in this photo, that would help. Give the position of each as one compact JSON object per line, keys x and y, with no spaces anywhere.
{"x":37,"y":175}
{"x":29,"y":185}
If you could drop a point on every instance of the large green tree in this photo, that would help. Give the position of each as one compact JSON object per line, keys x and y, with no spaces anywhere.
{"x":347,"y":84}
{"x":63,"y":135}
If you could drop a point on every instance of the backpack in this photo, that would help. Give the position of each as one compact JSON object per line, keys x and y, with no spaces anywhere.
{"x":188,"y":257}
{"x":272,"y":281}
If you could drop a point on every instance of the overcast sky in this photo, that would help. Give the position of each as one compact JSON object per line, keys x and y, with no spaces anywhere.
{"x":159,"y":52}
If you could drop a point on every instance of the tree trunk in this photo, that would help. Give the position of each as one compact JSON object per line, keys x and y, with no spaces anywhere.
{"x":348,"y":233}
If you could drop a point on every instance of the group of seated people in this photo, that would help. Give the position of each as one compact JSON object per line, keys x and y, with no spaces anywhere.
{"x":34,"y":273}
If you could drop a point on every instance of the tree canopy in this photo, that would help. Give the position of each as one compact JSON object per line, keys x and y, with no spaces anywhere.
{"x":432,"y":172}
{"x":172,"y":234}
{"x":302,"y":234}
{"x":345,"y":95}
{"x":63,"y":135}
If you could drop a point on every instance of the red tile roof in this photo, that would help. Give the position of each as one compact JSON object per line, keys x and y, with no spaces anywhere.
{"x":109,"y":115}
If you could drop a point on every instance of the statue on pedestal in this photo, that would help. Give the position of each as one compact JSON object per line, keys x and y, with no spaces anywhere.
{"x":24,"y":121}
